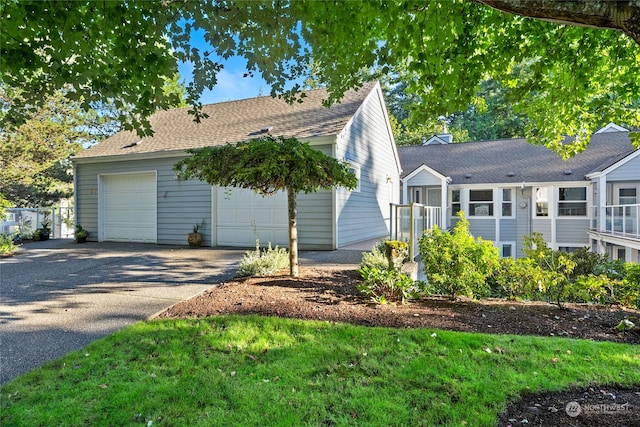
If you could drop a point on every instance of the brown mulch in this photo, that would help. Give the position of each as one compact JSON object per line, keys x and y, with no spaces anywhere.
{"x":330,"y":294}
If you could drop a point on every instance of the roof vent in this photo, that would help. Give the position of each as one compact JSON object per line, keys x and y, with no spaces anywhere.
{"x":133,"y":144}
{"x":567,"y":171}
{"x":266,"y":129}
{"x":511,"y":174}
{"x":467,"y":175}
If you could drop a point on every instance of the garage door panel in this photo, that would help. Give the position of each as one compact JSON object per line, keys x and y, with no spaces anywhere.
{"x":241,"y":210}
{"x":129,"y":207}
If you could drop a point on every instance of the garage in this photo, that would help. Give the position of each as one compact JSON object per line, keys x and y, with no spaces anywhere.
{"x":128,"y":207}
{"x":241,"y":214}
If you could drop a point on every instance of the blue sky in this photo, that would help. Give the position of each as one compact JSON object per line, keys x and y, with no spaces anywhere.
{"x":231,"y":83}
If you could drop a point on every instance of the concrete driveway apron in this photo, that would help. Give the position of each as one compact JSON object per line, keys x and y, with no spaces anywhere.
{"x":58,"y":296}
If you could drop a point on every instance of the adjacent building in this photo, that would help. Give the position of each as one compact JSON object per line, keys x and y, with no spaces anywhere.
{"x":511,"y":188}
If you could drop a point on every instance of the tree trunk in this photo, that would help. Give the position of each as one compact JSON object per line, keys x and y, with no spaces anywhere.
{"x":623,"y":15}
{"x":293,"y":232}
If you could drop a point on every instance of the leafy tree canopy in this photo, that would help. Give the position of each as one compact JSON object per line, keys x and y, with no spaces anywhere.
{"x":268,"y":165}
{"x":573,"y":80}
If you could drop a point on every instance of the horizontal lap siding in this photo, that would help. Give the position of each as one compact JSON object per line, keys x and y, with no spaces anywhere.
{"x":485,"y":228}
{"x":181,"y":204}
{"x":367,"y":141}
{"x":626,"y":172}
{"x":508,"y":230}
{"x":315,"y":230}
{"x":543,"y":226}
{"x":573,"y":230}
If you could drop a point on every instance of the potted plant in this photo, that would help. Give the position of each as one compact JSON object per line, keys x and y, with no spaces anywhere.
{"x":195,"y":238}
{"x":81,"y":234}
{"x":43,"y":232}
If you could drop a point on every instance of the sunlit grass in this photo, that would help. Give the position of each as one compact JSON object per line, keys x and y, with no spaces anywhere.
{"x":268,"y":371}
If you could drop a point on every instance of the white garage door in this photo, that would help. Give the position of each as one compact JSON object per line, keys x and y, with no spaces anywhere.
{"x":129,"y":207}
{"x":239,"y":211}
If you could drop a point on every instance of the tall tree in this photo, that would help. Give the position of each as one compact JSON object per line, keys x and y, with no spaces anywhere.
{"x":577,"y":78}
{"x":268,"y":165}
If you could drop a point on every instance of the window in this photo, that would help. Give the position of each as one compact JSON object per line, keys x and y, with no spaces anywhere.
{"x":507,"y":250}
{"x":480,"y":202}
{"x":627,"y":196}
{"x":572,"y":201}
{"x":542,"y":201}
{"x":416,"y":196}
{"x":455,"y":202}
{"x":507,"y":202}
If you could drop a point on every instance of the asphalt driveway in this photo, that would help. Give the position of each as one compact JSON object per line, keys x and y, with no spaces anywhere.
{"x":58,"y":296}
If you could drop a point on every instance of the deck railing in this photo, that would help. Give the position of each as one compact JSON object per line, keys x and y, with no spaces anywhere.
{"x":408,"y":222}
{"x":623,"y":220}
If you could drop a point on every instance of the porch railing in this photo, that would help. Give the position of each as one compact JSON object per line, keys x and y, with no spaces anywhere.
{"x":408,"y":222}
{"x":61,"y":220}
{"x":621,"y":220}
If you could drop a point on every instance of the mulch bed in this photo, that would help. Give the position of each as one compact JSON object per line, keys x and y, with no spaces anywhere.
{"x":330,"y":294}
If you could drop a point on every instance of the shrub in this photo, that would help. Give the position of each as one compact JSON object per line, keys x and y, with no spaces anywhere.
{"x":396,"y":252}
{"x":263,"y":262}
{"x":376,"y":258}
{"x":456,"y":263}
{"x":384,"y":285}
{"x":7,"y":245}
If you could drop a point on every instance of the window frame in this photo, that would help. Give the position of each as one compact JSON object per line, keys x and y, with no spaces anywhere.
{"x":573,"y":202}
{"x":509,"y":203}
{"x":472,"y":212}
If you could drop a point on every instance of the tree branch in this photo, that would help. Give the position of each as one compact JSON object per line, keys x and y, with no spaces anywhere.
{"x":623,"y":15}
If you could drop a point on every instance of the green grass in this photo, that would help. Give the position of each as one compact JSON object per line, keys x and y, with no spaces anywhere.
{"x":259,"y":371}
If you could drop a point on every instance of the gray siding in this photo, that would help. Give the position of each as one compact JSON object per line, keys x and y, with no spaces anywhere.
{"x":508,"y":230}
{"x":424,"y":178}
{"x":627,"y":172}
{"x":181,"y":204}
{"x":485,"y":228}
{"x":542,"y":226}
{"x":572,"y":231}
{"x":523,"y":220}
{"x":367,"y":140}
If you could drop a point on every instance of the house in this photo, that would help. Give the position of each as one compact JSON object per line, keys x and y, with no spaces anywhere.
{"x":126,"y":190}
{"x":511,"y":188}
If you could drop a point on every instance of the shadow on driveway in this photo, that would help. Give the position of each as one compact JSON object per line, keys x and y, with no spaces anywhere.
{"x":57,"y":296}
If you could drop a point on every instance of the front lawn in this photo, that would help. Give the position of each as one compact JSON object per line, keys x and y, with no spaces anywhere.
{"x":259,"y":371}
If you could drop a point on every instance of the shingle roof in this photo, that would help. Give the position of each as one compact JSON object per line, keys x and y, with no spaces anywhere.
{"x":514,"y":160}
{"x":234,"y":121}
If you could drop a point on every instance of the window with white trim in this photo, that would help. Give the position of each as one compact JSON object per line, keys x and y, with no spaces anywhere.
{"x":507,"y":250}
{"x":627,"y":196}
{"x":507,"y":202}
{"x":542,"y":201}
{"x":481,"y":202}
{"x":455,"y":202}
{"x":572,"y":201}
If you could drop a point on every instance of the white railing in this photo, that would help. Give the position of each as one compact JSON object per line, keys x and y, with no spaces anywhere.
{"x":60,"y":219}
{"x":408,"y":222}
{"x":622,"y":220}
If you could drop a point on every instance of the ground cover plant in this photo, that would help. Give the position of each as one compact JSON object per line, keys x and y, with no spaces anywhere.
{"x":251,"y":370}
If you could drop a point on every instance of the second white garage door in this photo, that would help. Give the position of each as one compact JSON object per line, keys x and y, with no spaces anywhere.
{"x":240,"y":210}
{"x":129,"y":207}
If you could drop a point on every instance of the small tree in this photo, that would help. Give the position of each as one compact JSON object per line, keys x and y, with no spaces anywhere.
{"x":268,"y":165}
{"x":455,"y":263}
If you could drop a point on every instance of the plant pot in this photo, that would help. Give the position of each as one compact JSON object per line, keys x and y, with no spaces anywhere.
{"x":82,"y":239}
{"x":194,"y":239}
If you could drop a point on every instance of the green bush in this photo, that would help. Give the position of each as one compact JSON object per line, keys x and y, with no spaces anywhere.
{"x":6,"y":244}
{"x":376,"y":258}
{"x":384,"y":285}
{"x":263,"y":262}
{"x":456,"y":263}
